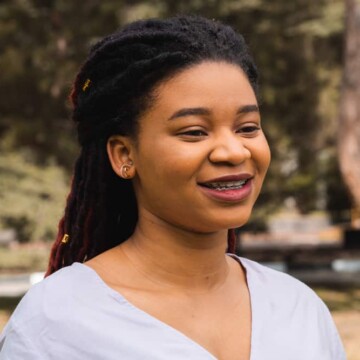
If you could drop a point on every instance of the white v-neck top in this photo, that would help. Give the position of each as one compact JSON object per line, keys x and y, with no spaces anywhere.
{"x":74,"y":315}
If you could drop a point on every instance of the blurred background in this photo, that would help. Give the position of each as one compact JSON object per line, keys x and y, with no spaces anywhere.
{"x":306,"y":221}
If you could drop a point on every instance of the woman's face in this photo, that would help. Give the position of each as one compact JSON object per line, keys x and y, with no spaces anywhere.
{"x":201,"y":156}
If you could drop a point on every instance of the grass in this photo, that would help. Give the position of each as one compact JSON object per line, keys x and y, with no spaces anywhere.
{"x":24,"y":258}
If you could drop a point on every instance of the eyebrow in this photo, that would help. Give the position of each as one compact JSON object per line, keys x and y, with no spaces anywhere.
{"x":188,"y":112}
{"x":205,"y":111}
{"x":247,"y":109}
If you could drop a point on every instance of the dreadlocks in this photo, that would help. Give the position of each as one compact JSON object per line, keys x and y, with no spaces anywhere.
{"x":110,"y":93}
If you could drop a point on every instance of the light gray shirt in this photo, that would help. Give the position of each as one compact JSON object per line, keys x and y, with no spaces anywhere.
{"x":73,"y":314}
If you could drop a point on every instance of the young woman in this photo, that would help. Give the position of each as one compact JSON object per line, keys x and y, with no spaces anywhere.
{"x":173,"y":156}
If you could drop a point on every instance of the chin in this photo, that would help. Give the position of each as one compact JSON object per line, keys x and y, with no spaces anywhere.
{"x":233,"y":220}
{"x":237,"y":224}
{"x":219,"y":224}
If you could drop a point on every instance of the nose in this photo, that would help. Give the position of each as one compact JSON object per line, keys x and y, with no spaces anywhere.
{"x":229,"y":148}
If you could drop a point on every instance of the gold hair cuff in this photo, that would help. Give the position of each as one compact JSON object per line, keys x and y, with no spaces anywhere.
{"x":86,"y":84}
{"x":65,"y":239}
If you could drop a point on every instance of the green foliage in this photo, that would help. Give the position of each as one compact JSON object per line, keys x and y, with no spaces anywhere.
{"x":32,"y":197}
{"x":329,"y":21}
{"x":44,"y":44}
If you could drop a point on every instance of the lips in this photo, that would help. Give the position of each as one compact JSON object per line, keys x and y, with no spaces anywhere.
{"x":225,"y":185}
{"x":227,"y":181}
{"x":228,"y":188}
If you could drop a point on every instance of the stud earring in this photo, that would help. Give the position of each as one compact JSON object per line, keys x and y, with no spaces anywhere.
{"x":125,"y":168}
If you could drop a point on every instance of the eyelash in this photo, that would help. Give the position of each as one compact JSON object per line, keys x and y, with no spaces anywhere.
{"x":245,"y":130}
{"x":249,"y":129}
{"x":194,"y":133}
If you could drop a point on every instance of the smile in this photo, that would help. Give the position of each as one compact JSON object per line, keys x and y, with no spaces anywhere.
{"x":226,"y":185}
{"x":228,"y":190}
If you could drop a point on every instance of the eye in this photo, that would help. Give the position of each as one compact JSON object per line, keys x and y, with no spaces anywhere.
{"x":194,"y":133}
{"x":249,"y":129}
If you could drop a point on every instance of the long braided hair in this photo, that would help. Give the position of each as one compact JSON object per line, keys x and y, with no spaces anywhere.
{"x":111,"y":91}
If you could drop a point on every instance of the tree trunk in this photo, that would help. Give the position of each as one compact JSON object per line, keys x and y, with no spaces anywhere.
{"x":349,"y":119}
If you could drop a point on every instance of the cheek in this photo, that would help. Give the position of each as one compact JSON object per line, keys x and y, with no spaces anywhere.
{"x":161,"y":167}
{"x":169,"y":159}
{"x":261,"y":155}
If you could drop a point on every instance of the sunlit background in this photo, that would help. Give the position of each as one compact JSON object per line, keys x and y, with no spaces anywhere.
{"x":306,"y":220}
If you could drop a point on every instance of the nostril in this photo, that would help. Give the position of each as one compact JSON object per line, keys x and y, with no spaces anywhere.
{"x":230,"y":153}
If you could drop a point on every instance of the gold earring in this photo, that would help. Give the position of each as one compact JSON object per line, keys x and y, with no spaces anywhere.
{"x":125,"y":168}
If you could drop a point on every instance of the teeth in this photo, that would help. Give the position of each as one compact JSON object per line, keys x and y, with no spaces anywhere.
{"x":226,"y":185}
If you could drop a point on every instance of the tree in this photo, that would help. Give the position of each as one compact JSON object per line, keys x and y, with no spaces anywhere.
{"x":349,"y":119}
{"x":43,"y":44}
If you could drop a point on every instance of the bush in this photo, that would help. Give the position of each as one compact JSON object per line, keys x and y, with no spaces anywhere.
{"x":32,"y":197}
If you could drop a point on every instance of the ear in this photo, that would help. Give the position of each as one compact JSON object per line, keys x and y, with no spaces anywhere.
{"x":120,"y":150}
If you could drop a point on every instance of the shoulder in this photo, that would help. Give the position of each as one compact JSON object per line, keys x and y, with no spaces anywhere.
{"x":54,"y":301}
{"x":276,"y":283}
{"x":289,"y":314}
{"x":51,"y":296}
{"x":284,"y":294}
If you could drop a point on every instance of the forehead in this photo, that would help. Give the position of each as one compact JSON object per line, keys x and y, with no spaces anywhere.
{"x":207,"y":83}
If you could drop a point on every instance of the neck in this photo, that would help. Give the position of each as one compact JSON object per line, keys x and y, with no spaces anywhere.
{"x":170,"y":256}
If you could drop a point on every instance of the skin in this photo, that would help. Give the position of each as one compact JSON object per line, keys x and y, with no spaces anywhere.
{"x":176,"y":257}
